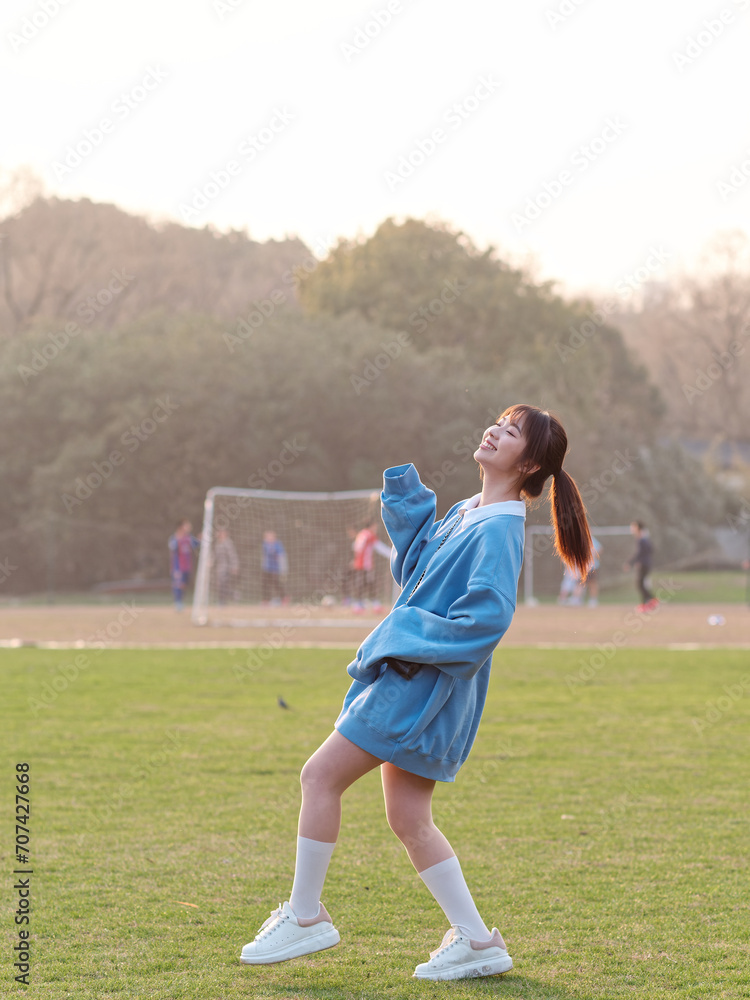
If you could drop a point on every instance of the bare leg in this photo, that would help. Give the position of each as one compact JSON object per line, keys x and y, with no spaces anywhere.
{"x":408,"y":803}
{"x":408,"y":807}
{"x":334,"y":766}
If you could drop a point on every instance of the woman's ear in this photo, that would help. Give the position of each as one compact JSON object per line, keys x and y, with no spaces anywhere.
{"x":528,"y":468}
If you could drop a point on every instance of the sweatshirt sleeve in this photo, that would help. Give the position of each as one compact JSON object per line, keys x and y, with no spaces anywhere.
{"x":408,"y":509}
{"x":458,"y":643}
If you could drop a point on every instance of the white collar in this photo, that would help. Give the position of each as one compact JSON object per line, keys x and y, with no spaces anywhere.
{"x":473,"y":513}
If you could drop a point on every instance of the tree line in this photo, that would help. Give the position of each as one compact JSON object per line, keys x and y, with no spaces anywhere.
{"x":401,"y":347}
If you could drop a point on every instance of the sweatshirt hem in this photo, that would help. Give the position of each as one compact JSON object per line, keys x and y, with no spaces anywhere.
{"x":362,"y":734}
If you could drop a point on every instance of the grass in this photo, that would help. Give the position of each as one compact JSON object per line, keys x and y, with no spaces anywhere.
{"x":601,"y":826}
{"x":695,"y":587}
{"x":717,"y":587}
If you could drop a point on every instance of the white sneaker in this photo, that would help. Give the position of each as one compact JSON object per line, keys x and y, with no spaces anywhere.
{"x":284,"y":935}
{"x":458,"y":957}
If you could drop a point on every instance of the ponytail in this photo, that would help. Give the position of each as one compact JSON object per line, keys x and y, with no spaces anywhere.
{"x":572,"y":535}
{"x":546,"y":447}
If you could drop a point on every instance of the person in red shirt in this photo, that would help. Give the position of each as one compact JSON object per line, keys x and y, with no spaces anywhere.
{"x":362,"y":564}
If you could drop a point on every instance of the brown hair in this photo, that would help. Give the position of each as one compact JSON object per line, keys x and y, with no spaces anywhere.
{"x":546,"y":445}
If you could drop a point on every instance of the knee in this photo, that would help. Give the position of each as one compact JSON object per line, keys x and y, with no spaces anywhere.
{"x":410,"y":828}
{"x":309,"y":775}
{"x":314,"y":777}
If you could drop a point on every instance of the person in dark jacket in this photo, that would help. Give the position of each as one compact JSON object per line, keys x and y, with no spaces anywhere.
{"x":642,"y":560}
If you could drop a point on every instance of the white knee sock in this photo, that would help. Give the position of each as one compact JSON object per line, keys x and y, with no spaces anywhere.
{"x":313,"y":857}
{"x":447,"y":884}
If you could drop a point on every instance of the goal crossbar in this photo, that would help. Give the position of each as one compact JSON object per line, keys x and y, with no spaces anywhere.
{"x":311,"y":540}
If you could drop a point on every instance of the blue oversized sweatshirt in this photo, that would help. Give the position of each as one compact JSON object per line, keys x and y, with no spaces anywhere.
{"x":451,"y":623}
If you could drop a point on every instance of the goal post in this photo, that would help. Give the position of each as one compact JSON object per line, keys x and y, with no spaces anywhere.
{"x":262,"y":550}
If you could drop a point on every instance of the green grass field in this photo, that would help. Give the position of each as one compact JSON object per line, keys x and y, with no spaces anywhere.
{"x":718,"y":586}
{"x":601,"y":823}
{"x":695,"y":587}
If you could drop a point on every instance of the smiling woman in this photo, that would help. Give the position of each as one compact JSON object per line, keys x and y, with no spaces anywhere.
{"x":535,"y":442}
{"x":419,"y":683}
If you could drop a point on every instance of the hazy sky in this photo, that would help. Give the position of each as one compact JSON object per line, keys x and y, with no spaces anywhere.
{"x":593,"y":135}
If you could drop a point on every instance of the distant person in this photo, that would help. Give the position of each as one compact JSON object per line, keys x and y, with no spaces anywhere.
{"x":365,"y":545}
{"x":592,"y":580}
{"x":568,"y":587}
{"x":227,"y":564}
{"x":641,"y":560}
{"x":181,"y":544}
{"x":350,"y":574}
{"x":362,"y":563}
{"x":274,"y":568}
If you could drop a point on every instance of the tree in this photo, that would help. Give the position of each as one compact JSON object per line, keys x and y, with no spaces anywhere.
{"x":695,"y":338}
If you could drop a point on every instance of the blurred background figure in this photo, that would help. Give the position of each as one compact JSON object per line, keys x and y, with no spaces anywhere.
{"x":227,"y":564}
{"x":642,"y":560}
{"x":568,"y":588}
{"x":591,"y":584}
{"x":181,"y":544}
{"x":274,"y":567}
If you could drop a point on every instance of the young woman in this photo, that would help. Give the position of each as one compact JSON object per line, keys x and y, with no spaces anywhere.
{"x":420,"y":681}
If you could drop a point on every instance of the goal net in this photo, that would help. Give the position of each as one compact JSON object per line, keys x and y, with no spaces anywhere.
{"x":543,"y":570}
{"x":263,"y":551}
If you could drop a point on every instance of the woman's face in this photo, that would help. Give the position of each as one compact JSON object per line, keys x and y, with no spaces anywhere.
{"x":502,"y":446}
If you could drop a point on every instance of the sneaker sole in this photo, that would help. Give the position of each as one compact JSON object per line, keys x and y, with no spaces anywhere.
{"x":328,"y":939}
{"x":471,"y":970}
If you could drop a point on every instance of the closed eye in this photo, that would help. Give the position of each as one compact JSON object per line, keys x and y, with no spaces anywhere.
{"x":509,"y":426}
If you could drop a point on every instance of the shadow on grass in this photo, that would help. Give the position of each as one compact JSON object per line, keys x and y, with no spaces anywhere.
{"x":508,"y":985}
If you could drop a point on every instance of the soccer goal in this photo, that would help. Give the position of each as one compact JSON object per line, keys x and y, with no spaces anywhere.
{"x":267,"y":555}
{"x":542,"y":569}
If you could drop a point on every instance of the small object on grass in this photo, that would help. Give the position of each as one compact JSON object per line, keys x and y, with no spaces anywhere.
{"x":180,"y":903}
{"x":282,"y":703}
